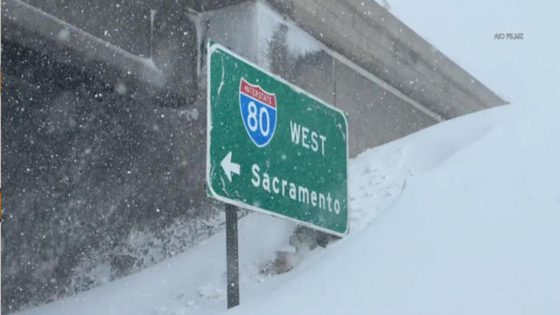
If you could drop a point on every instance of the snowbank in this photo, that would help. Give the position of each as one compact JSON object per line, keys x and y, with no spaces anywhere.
{"x":472,"y":228}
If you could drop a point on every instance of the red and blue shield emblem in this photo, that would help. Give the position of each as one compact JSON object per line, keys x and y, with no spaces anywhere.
{"x":258,"y":111}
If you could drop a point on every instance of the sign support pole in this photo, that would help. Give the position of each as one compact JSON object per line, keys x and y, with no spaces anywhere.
{"x":232,"y":256}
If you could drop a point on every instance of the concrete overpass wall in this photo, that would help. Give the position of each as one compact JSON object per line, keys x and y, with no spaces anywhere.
{"x":373,"y":38}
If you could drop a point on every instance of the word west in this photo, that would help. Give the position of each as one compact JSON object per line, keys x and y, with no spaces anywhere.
{"x":308,"y":139}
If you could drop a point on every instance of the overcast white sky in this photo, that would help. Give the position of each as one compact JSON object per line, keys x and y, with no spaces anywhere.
{"x":464,"y":30}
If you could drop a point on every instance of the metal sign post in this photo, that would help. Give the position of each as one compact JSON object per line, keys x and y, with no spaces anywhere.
{"x":232,"y":257}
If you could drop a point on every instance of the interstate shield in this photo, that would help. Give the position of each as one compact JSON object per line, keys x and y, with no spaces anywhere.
{"x":258,"y":112}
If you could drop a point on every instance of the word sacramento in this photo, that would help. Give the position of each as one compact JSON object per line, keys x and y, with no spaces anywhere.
{"x":278,"y":186}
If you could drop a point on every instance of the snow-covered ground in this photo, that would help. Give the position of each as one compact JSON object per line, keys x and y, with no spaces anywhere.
{"x":470,"y":214}
{"x":475,"y":231}
{"x":460,"y":218}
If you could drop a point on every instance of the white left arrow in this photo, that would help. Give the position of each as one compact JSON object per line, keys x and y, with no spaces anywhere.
{"x":230,"y":167}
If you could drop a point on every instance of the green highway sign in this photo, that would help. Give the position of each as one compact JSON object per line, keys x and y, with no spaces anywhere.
{"x":274,"y":148}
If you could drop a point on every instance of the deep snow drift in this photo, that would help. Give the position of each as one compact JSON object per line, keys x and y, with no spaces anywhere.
{"x":470,"y":223}
{"x":475,"y":232}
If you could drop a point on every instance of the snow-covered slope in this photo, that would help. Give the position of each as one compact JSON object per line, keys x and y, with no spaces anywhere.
{"x":475,"y":233}
{"x":471,"y":210}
